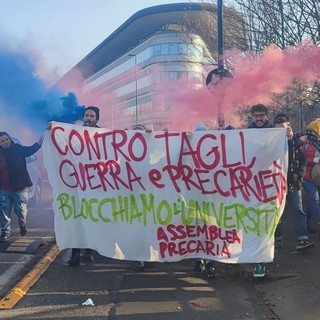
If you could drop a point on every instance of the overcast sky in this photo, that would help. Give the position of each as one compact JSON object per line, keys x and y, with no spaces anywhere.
{"x":62,"y":32}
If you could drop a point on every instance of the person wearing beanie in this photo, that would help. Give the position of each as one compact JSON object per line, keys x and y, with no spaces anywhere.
{"x":310,"y":148}
{"x":314,"y":127}
{"x":201,"y":127}
{"x":14,"y":183}
{"x":139,"y":127}
{"x":91,"y":116}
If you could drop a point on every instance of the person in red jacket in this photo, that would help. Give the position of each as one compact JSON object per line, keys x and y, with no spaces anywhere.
{"x":311,"y":151}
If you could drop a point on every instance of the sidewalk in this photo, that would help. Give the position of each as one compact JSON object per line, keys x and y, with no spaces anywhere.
{"x":292,"y":283}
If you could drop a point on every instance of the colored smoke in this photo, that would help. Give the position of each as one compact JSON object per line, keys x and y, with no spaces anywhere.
{"x":26,"y":101}
{"x":27,"y":104}
{"x":256,"y":79}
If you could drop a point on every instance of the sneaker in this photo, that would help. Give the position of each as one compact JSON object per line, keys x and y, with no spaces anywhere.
{"x":304,"y":244}
{"x":278,"y":244}
{"x":211,"y":271}
{"x":23,"y":231}
{"x":259,"y":270}
{"x":4,"y":238}
{"x":199,"y":267}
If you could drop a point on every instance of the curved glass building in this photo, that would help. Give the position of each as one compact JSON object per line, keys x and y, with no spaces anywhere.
{"x":127,"y":73}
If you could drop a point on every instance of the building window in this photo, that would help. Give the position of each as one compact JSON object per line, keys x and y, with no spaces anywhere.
{"x":104,"y":76}
{"x":129,"y":112}
{"x":174,"y":48}
{"x":183,"y":49}
{"x":157,"y":50}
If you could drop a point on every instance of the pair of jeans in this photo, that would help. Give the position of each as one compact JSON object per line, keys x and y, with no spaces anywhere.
{"x":294,"y":204}
{"x":311,"y":191}
{"x":18,"y":202}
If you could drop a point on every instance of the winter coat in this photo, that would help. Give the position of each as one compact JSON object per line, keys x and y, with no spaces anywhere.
{"x":296,"y":165}
{"x":15,"y":157}
{"x":310,"y":152}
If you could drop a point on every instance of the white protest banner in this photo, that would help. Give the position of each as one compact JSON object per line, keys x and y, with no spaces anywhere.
{"x":167,"y":196}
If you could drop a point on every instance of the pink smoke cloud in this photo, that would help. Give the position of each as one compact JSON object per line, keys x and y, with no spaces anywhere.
{"x":256,"y":79}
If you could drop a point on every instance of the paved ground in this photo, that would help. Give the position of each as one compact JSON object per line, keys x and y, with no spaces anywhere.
{"x":292,"y":285}
{"x":291,"y":289}
{"x":162,"y":291}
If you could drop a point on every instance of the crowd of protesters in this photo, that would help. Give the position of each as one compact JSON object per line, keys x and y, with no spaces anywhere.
{"x":303,"y":181}
{"x":299,"y":172}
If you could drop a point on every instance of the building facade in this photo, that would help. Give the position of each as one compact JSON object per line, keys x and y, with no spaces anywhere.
{"x":129,"y":74}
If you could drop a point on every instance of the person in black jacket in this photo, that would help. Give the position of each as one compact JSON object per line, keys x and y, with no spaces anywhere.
{"x":14,"y":183}
{"x":296,"y":171}
{"x":91,"y":116}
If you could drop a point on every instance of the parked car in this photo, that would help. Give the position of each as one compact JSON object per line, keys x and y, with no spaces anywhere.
{"x":35,"y":176}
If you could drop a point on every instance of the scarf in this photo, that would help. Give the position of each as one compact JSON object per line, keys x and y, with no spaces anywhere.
{"x":315,"y":140}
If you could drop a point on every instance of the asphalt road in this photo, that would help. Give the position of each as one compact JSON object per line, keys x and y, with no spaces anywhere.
{"x":290,"y":291}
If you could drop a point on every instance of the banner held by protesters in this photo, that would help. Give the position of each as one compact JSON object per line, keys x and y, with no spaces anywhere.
{"x":167,"y":196}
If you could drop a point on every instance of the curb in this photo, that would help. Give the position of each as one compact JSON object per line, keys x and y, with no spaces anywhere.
{"x":23,"y":286}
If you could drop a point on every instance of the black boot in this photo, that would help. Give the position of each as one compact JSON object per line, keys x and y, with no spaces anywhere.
{"x":74,"y":260}
{"x":211,"y":271}
{"x":199,"y":267}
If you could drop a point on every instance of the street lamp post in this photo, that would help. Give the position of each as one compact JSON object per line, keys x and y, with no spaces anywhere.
{"x":220,"y":54}
{"x":136,"y":86}
{"x":219,"y":73}
{"x":220,"y":33}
